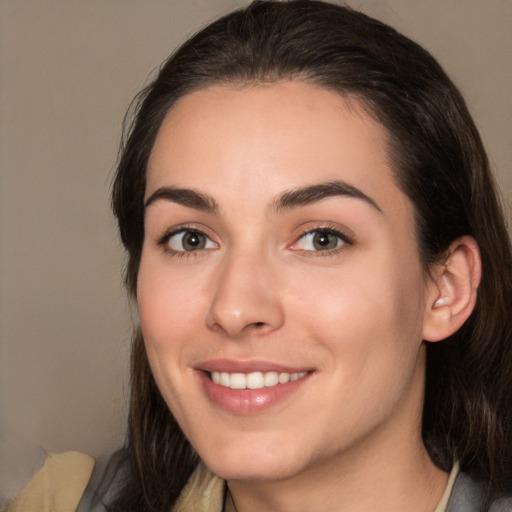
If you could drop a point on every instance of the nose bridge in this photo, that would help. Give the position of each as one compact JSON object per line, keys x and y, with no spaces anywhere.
{"x":245,"y":298}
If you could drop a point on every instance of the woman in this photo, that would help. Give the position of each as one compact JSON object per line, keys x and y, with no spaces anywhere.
{"x":322,"y":273}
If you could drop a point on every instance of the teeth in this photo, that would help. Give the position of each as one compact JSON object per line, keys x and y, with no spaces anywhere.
{"x":224,"y":379}
{"x":255,"y":380}
{"x":284,"y":378}
{"x":237,"y":380}
{"x":271,"y":379}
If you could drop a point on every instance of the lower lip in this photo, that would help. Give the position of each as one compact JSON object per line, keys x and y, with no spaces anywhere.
{"x":248,"y":401}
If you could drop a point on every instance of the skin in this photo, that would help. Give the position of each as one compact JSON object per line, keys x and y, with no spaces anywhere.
{"x":349,"y":436}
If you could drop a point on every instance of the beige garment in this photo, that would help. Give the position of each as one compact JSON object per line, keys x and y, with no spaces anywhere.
{"x":204,"y":492}
{"x":57,"y":486}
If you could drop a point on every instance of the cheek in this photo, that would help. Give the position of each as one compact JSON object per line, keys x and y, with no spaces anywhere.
{"x":167,"y":321}
{"x":367,"y":311}
{"x":370,"y":324}
{"x":168,"y":305}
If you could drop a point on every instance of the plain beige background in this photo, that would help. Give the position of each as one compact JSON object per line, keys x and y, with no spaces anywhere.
{"x":69,"y":69}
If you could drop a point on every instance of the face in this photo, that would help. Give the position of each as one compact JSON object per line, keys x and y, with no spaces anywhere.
{"x":280,"y":290}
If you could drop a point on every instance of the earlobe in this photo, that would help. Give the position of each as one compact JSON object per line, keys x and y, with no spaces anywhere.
{"x":451,"y":295}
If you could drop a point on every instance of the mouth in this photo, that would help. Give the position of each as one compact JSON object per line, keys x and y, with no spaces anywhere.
{"x":247,"y":388}
{"x":254,"y":380}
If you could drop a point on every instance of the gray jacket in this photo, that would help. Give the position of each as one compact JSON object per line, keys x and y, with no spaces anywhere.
{"x":469,"y":496}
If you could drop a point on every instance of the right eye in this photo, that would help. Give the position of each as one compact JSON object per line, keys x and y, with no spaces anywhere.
{"x":187,"y":240}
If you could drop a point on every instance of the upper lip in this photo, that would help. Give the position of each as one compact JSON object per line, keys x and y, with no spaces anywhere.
{"x":238,"y":366}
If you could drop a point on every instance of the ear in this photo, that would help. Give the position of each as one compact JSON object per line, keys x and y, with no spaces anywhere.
{"x":451,"y":294}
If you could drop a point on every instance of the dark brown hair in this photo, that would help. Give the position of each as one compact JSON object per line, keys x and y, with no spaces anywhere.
{"x":440,"y":163}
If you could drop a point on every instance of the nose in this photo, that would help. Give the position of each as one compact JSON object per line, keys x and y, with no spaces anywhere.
{"x":246,"y":298}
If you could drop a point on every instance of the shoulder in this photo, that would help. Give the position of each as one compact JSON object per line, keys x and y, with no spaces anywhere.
{"x":58,"y":485}
{"x":469,"y":495}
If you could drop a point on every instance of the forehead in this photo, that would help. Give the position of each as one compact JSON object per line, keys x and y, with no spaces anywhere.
{"x":261,"y":140}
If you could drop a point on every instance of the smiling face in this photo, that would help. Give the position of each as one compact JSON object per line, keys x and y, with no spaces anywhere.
{"x":280,"y":291}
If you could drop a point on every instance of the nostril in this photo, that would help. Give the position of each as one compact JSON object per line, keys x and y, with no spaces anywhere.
{"x":255,"y":326}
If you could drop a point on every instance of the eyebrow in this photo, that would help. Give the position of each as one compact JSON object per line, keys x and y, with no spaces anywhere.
{"x":290,"y":199}
{"x":184,"y":196}
{"x":313,"y":193}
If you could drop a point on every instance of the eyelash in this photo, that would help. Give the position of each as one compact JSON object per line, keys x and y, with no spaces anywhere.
{"x":163,"y":241}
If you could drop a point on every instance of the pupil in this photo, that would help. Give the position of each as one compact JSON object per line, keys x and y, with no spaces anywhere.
{"x":193,"y":241}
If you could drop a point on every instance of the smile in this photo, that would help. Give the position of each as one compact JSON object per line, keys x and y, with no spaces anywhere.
{"x":254,"y":380}
{"x":248,"y":388}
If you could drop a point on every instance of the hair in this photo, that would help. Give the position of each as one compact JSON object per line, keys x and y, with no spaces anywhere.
{"x":439,"y":163}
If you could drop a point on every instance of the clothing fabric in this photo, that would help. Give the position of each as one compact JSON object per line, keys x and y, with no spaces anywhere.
{"x":68,"y":483}
{"x":58,"y":486}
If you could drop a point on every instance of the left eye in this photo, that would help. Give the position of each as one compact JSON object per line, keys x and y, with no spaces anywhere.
{"x":319,"y":240}
{"x":188,"y":240}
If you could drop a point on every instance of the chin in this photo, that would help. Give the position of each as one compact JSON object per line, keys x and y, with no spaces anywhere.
{"x":251,"y":472}
{"x":254,"y":464}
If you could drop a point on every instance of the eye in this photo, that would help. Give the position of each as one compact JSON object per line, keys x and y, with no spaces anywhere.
{"x":321,"y":240}
{"x":187,"y":240}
